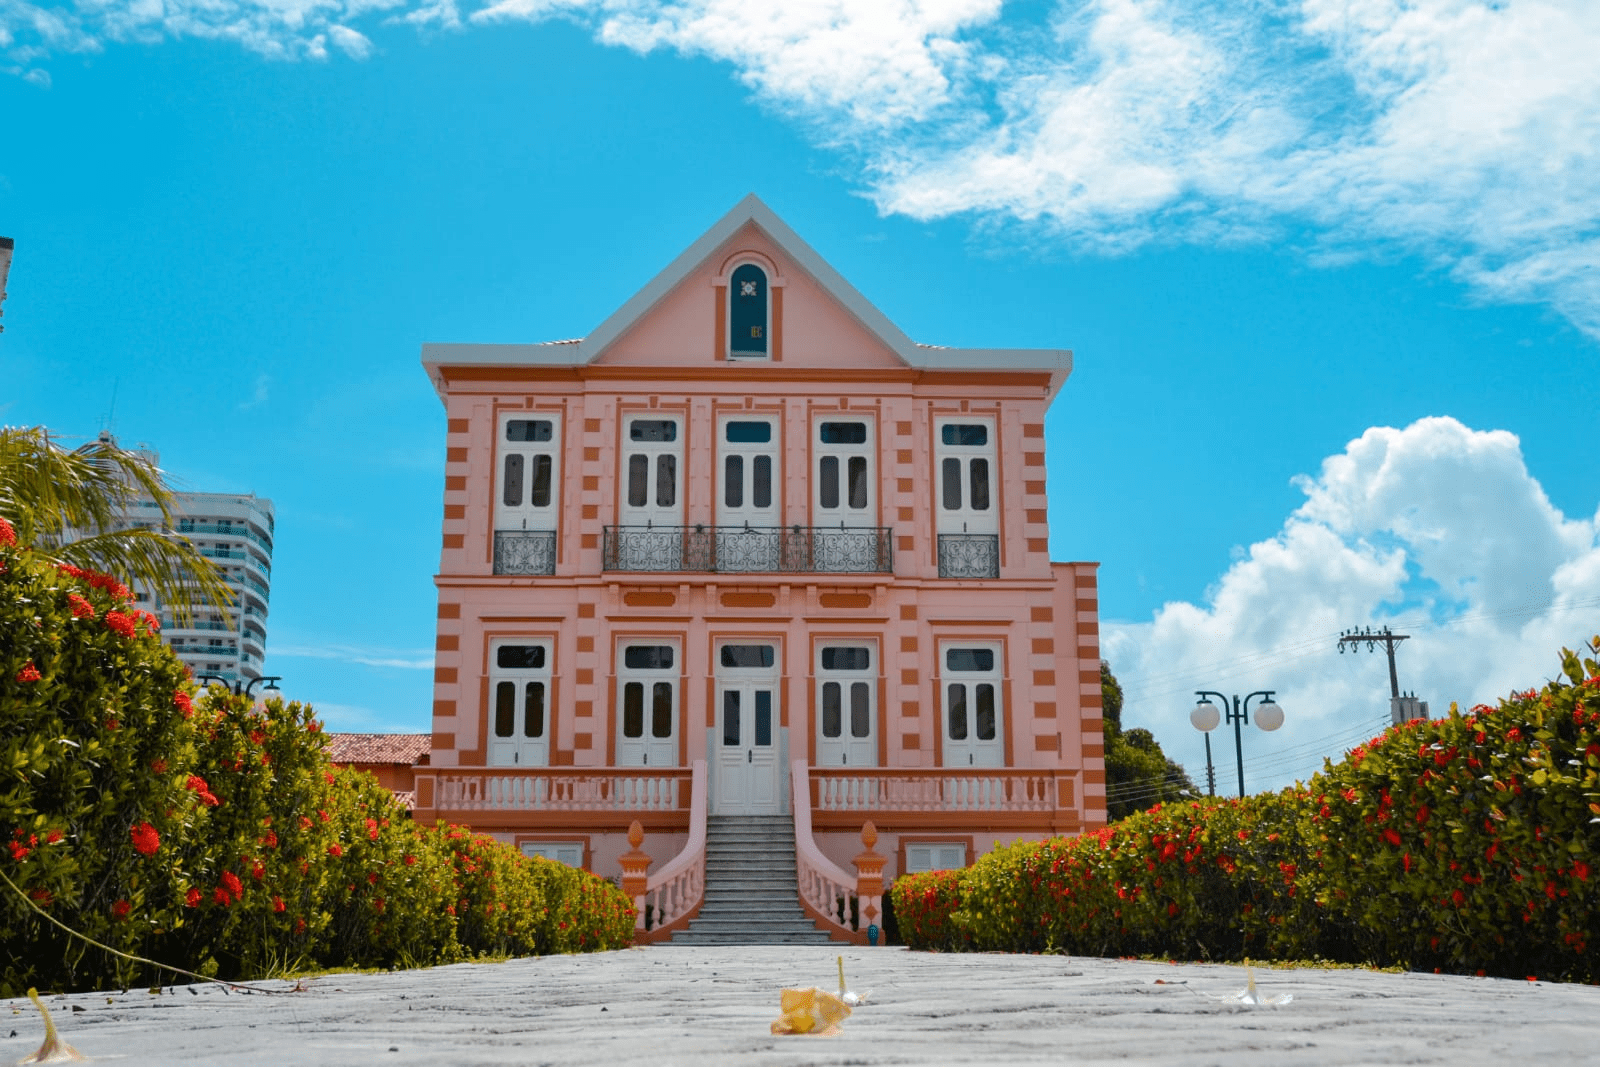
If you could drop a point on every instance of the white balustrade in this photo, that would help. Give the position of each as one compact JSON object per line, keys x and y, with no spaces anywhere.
{"x":935,"y":791}
{"x":559,"y":791}
{"x":823,"y":884}
{"x":678,"y":888}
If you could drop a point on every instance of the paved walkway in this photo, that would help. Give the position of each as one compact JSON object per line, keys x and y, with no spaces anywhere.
{"x":704,"y":1006}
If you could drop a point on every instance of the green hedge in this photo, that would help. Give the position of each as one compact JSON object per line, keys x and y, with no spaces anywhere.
{"x":1467,"y":844}
{"x":212,"y":834}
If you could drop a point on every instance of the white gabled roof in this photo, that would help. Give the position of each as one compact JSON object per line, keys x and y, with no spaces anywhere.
{"x":1056,"y":362}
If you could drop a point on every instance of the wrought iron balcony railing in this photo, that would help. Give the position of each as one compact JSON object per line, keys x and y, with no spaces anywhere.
{"x":750,"y":549}
{"x":524,"y":551}
{"x":969,"y":556}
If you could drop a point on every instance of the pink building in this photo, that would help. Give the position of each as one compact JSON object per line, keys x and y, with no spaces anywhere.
{"x":746,"y":549}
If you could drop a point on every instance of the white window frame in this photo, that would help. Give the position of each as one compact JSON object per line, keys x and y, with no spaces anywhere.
{"x":847,"y":750}
{"x":964,"y":518}
{"x":526,"y":515}
{"x":844,"y":511}
{"x":518,"y":749}
{"x":637,"y":752}
{"x":567,"y":852}
{"x":766,"y":316}
{"x":651,"y":512}
{"x":922,"y":856}
{"x":971,"y":750}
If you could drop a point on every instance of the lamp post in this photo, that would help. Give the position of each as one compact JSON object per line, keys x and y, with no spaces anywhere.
{"x":1205,"y":718}
{"x":243,"y":689}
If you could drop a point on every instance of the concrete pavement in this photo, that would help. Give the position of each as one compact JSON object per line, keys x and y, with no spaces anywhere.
{"x":705,"y":1006}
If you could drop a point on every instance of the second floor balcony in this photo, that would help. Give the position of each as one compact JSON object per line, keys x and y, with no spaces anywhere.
{"x":969,"y":556}
{"x":750,"y":549}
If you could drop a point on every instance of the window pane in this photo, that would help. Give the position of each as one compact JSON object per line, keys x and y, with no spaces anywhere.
{"x":647,"y":657}
{"x":653,"y":430}
{"x":956,"y":704}
{"x":733,"y":481}
{"x":539,"y":495}
{"x":828,"y":487}
{"x":985,"y":712}
{"x":666,"y":481}
{"x":529,"y":430}
{"x":505,"y":709}
{"x":761,"y":481}
{"x":533,"y":713}
{"x":860,"y":710}
{"x":831,"y":718}
{"x":633,"y":710}
{"x":956,"y":434}
{"x":661,"y":710}
{"x":511,"y":495}
{"x":846,"y":659}
{"x":747,"y":655}
{"x":748,"y":433}
{"x":980,"y":484}
{"x":844,"y":433}
{"x":950,"y":479}
{"x":969,"y":659}
{"x":520,"y":657}
{"x":858,"y":482}
{"x":638,"y":472}
{"x":763,"y":718}
{"x":730,"y":719}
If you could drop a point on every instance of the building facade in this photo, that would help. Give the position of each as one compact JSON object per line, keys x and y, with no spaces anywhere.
{"x":235,"y":531}
{"x":747,"y":549}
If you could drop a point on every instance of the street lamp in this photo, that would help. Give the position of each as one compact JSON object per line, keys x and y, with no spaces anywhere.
{"x":1206,"y":718}
{"x":243,"y":689}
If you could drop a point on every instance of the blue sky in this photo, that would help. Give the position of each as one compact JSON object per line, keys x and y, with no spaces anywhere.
{"x":1330,"y":270}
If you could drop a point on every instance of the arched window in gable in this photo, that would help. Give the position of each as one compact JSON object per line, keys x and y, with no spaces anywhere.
{"x":748,"y":330}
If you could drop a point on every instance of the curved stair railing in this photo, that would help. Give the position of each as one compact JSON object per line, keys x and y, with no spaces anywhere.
{"x":827,"y":891}
{"x":673,"y":895}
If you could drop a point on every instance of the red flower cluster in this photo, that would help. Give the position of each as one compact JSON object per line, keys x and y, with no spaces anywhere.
{"x":120,"y":909}
{"x":96,"y":580}
{"x":185,"y":705}
{"x":119,"y":623}
{"x":197,"y":784}
{"x":81,"y":608}
{"x":192,"y":898}
{"x":43,"y":897}
{"x":229,"y":890}
{"x":145,"y":839}
{"x":335,"y":851}
{"x":8,"y":534}
{"x":28,"y":673}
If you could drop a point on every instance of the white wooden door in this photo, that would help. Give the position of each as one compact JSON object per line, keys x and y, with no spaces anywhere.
{"x":974,"y":718}
{"x":847,"y":706}
{"x":519,"y":712}
{"x":747,"y":495}
{"x":748,"y":770}
{"x":647,"y":706}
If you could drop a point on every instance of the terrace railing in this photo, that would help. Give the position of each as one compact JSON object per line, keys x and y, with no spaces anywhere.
{"x":749,"y":549}
{"x":969,"y":556}
{"x":524,"y":551}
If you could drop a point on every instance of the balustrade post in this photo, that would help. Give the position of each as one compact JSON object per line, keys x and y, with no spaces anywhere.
{"x":869,"y":878}
{"x":635,"y":879}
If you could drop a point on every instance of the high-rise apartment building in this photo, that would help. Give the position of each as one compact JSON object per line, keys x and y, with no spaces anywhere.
{"x":234,"y":531}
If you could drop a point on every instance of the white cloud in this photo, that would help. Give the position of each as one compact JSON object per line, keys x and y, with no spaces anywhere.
{"x":1435,"y":530}
{"x":1466,"y":131}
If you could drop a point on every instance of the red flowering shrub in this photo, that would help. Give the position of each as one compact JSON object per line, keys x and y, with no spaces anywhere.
{"x":1469,"y":843}
{"x":924,"y":906}
{"x":87,"y":819}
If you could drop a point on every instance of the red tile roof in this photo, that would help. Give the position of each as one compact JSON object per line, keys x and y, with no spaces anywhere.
{"x":405,"y":749}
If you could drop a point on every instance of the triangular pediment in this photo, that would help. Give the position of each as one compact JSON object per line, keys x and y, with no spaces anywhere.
{"x":813,"y":324}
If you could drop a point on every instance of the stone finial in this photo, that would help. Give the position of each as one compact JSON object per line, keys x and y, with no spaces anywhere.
{"x":635,"y":864}
{"x":869,"y":834}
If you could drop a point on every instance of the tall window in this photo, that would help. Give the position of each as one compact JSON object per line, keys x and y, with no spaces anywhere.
{"x":974,"y":715}
{"x":847,"y":706}
{"x":529,"y":489}
{"x":747,"y":313}
{"x":647,"y":711}
{"x":843,"y":485}
{"x":652,"y":478}
{"x":968,"y":505}
{"x":519,"y":703}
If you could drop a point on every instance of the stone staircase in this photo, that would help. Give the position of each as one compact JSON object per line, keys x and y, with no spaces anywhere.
{"x":751,"y":896}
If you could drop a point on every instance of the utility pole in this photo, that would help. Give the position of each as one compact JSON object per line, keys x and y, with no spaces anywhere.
{"x":1400,"y":708}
